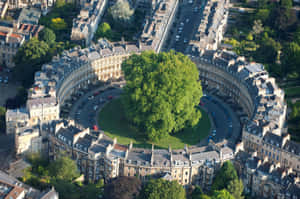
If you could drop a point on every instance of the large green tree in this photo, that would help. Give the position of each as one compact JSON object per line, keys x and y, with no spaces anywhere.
{"x":58,"y":24}
{"x":104,"y":30}
{"x":92,"y":191}
{"x":64,"y":168}
{"x":162,"y":189}
{"x":291,"y":58}
{"x":32,"y":52}
{"x":222,"y":194}
{"x":47,"y":35}
{"x":224,"y":176}
{"x":123,"y":188}
{"x":268,"y":50}
{"x":235,"y":188}
{"x":29,"y":59}
{"x":161,"y":93}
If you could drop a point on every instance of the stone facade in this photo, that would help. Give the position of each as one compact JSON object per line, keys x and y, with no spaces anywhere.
{"x":100,"y":157}
{"x":86,"y":23}
{"x":12,"y":37}
{"x":264,"y":179}
{"x":211,"y":29}
{"x":246,"y":84}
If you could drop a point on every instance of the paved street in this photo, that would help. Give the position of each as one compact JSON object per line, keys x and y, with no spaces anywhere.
{"x":225,"y":121}
{"x":6,"y":150}
{"x":7,"y":90}
{"x":86,"y":108}
{"x":189,"y":20}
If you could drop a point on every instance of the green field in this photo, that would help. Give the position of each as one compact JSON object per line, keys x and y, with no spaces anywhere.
{"x":111,"y":119}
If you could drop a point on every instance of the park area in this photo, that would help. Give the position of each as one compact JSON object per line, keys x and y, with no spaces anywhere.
{"x":113,"y":122}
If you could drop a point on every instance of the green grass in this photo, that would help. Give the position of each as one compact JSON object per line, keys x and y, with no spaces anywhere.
{"x":111,"y":119}
{"x":292,"y":92}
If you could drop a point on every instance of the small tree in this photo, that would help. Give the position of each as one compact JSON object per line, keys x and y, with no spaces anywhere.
{"x":224,"y":176}
{"x":47,"y":35}
{"x":162,"y":189}
{"x":235,"y":188}
{"x":60,"y":3}
{"x":58,"y":24}
{"x":257,"y":27}
{"x":2,"y":119}
{"x":123,"y":188}
{"x":291,"y":58}
{"x":64,"y":168}
{"x":222,"y":194}
{"x":286,"y":3}
{"x":104,"y":30}
{"x":121,"y":12}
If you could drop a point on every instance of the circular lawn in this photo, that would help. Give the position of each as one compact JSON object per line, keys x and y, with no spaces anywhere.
{"x":112,"y":121}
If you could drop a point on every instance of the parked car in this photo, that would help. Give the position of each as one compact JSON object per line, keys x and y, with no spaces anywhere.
{"x":96,"y":93}
{"x":91,"y":97}
{"x":110,"y":97}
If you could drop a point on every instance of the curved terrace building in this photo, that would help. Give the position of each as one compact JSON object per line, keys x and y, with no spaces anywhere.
{"x":97,"y":156}
{"x":247,"y":84}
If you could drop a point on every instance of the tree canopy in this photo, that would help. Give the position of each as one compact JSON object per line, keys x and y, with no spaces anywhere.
{"x":29,"y":59}
{"x":235,"y":188}
{"x":291,"y":57}
{"x":161,"y":93}
{"x":104,"y":30}
{"x":60,"y":3}
{"x":58,"y":24}
{"x":31,"y":52}
{"x":224,"y":176}
{"x":222,"y":194}
{"x":2,"y":119}
{"x":123,"y":188}
{"x":162,"y":189}
{"x":64,"y":168}
{"x":121,"y":11}
{"x":47,"y":35}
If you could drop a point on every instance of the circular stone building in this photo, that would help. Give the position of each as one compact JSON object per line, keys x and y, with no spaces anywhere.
{"x":246,"y":84}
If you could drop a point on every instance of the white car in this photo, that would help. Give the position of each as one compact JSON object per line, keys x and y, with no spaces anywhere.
{"x":91,"y":97}
{"x":214,"y":132}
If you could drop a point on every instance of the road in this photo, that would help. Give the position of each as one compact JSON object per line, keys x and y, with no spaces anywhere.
{"x":84,"y":112}
{"x":225,"y":121}
{"x":9,"y":89}
{"x":189,"y":20}
{"x":6,"y":150}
